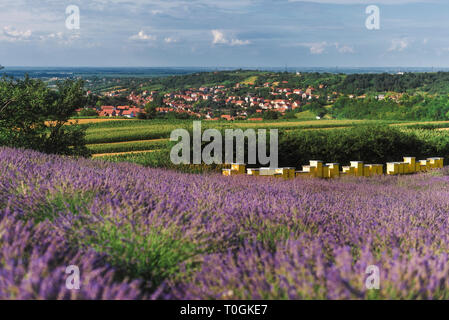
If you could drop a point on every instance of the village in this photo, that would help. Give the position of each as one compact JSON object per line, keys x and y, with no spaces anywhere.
{"x":243,"y":101}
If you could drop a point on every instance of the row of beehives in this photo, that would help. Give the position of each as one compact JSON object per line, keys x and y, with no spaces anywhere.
{"x":318,"y":169}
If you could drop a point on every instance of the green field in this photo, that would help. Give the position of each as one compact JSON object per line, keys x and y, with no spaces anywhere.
{"x":134,"y":130}
{"x":132,"y":140}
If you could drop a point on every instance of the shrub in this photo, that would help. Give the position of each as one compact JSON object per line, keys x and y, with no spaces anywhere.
{"x":369,"y":143}
{"x":34,"y":117}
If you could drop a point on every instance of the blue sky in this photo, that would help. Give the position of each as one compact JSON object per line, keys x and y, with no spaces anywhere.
{"x":227,"y":33}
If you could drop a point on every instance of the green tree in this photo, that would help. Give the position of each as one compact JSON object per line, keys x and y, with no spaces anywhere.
{"x":150,"y":109}
{"x":32,"y":116}
{"x":270,"y":115}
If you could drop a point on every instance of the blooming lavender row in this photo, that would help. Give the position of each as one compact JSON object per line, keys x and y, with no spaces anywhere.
{"x":140,"y":233}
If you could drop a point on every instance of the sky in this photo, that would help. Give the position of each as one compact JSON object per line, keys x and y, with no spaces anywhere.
{"x":226,"y":33}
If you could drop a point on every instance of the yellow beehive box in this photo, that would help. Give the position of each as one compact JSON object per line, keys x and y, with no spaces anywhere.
{"x":367,"y":171}
{"x":326,"y":171}
{"x":425,"y":165}
{"x":411,"y":164}
{"x":376,"y":169}
{"x":436,"y":162}
{"x":334,"y":169}
{"x":349,"y":170}
{"x":433,"y":163}
{"x":302,"y":174}
{"x":316,"y":167}
{"x":417,"y":167}
{"x":253,"y":172}
{"x":393,"y":168}
{"x":405,"y":168}
{"x":268,"y":171}
{"x":229,"y":172}
{"x":380,"y":169}
{"x":358,"y":166}
{"x":239,"y":167}
{"x":289,"y":173}
{"x":402,"y":168}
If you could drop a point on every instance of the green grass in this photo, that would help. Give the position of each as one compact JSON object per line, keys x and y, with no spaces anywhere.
{"x":152,"y":255}
{"x":127,"y":146}
{"x":120,"y":131}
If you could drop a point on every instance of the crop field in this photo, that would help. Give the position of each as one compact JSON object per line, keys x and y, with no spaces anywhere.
{"x":143,"y":233}
{"x":127,"y":146}
{"x":104,"y":136}
{"x":118,"y":137}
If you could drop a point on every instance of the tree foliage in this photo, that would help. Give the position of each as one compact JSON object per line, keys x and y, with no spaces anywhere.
{"x":33,"y":116}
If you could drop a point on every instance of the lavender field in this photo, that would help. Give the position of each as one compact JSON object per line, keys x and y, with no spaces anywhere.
{"x":139,"y":233}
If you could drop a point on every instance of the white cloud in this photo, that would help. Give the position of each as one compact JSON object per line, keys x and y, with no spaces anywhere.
{"x":344,"y":48}
{"x":220,"y":38}
{"x":399,"y":44}
{"x":237,"y":42}
{"x":16,"y":35}
{"x":315,"y":47}
{"x":320,"y":47}
{"x":170,"y":40}
{"x":52,"y":36}
{"x":143,"y":36}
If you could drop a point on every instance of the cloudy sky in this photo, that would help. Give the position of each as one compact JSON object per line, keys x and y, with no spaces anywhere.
{"x":231,"y":33}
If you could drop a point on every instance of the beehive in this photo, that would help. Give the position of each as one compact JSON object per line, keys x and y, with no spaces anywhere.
{"x":316,"y":168}
{"x":367,"y":170}
{"x":375,"y":169}
{"x":229,"y":172}
{"x":253,"y":172}
{"x":288,"y":173}
{"x":410,"y":164}
{"x":349,"y":170}
{"x":358,"y":168}
{"x":326,"y":171}
{"x":302,"y":174}
{"x":401,"y":168}
{"x":379,"y":169}
{"x":239,"y":167}
{"x":268,"y":171}
{"x":425,"y":165}
{"x":436,"y":162}
{"x":334,"y":169}
{"x":417,"y":167}
{"x":393,"y":168}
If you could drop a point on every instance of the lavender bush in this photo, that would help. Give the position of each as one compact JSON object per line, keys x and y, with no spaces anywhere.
{"x":139,"y":233}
